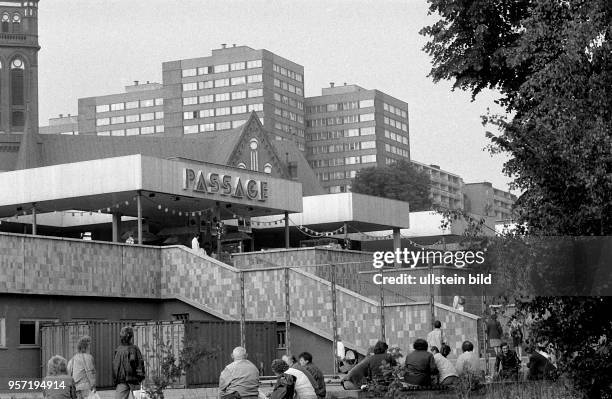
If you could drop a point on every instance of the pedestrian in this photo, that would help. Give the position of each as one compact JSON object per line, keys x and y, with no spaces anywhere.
{"x":447,"y":372}
{"x":195,"y":243}
{"x":58,"y":384}
{"x":494,"y":332}
{"x":434,"y":337}
{"x":420,"y":364}
{"x":128,"y":365}
{"x":284,"y":388}
{"x":240,"y":378}
{"x":507,"y":363}
{"x":315,"y":372}
{"x":516,"y":332}
{"x":82,"y":369}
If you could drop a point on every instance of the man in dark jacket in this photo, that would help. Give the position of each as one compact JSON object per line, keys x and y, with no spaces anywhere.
{"x":495,"y":332}
{"x":317,"y":374}
{"x":369,"y":368}
{"x":420,"y":364}
{"x":128,"y":365}
{"x":509,"y":362}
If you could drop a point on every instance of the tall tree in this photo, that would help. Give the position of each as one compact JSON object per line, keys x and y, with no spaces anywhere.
{"x":400,"y":181}
{"x":551,"y":62}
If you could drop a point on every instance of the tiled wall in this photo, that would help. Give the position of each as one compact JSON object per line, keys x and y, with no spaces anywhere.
{"x":56,"y":266}
{"x":73,"y":267}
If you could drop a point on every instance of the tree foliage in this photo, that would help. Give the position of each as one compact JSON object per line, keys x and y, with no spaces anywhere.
{"x":551,"y":62}
{"x":400,"y":181}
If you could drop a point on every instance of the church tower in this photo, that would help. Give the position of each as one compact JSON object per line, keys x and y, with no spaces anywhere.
{"x":19,"y":76}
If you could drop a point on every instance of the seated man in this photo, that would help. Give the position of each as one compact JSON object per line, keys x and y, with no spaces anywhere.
{"x":369,"y":368}
{"x":420,"y":364}
{"x":468,"y":364}
{"x":540,"y":366}
{"x":239,"y":379}
{"x":507,"y":363}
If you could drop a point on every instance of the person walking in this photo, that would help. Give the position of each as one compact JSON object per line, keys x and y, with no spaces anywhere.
{"x":494,"y":333}
{"x":315,"y":372}
{"x":516,"y":332}
{"x":60,"y":383}
{"x":128,"y":365}
{"x":240,"y":378}
{"x":82,"y":369}
{"x":434,"y":337}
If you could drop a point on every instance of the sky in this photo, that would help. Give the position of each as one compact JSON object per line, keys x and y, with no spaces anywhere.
{"x":96,"y":47}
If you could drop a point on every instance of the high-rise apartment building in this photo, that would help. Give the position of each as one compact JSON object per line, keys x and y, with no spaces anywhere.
{"x":200,"y":95}
{"x":446,"y":189}
{"x":137,"y":111}
{"x":484,"y":199}
{"x":349,"y":128}
{"x":219,"y":92}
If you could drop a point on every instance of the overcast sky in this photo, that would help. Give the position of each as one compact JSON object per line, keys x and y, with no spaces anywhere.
{"x":96,"y":47}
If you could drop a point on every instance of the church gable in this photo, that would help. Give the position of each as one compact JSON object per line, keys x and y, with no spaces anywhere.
{"x":254,"y":151}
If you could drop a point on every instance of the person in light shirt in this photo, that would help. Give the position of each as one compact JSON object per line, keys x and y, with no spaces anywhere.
{"x":434,"y":337}
{"x":468,"y":363}
{"x":304,"y":382}
{"x":447,"y":372}
{"x":240,"y":377}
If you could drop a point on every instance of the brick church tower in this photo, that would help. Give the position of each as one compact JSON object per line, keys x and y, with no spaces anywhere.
{"x":19,"y":76}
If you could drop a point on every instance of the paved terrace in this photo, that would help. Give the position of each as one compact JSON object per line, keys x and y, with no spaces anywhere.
{"x":58,"y":266}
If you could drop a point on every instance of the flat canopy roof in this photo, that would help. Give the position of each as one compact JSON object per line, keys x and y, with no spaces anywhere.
{"x":168,"y":187}
{"x":361,"y":212}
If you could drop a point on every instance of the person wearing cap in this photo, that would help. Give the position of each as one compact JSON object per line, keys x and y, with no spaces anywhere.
{"x":239,"y":379}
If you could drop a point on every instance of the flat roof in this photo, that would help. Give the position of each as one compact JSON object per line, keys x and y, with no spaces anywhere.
{"x":168,"y":187}
{"x":361,"y":212}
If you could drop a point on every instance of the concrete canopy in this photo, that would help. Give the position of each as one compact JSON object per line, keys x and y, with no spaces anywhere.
{"x":360,"y":212}
{"x":112,"y":184}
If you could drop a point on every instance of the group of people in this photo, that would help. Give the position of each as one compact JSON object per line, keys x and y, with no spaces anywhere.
{"x":76,"y":378}
{"x":425,"y":366}
{"x":300,"y":379}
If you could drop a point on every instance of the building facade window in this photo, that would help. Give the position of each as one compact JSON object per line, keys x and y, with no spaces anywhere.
{"x":147,"y":103}
{"x":17,"y":73}
{"x":102,"y":108}
{"x":253,"y":145}
{"x":147,"y":129}
{"x":117,"y":107}
{"x":207,"y":127}
{"x":131,"y":104}
{"x":254,"y":64}
{"x":29,"y":331}
{"x":132,"y":118}
{"x":223,"y":125}
{"x":190,"y":129}
{"x":255,"y":93}
{"x":189,"y":72}
{"x":267,"y":168}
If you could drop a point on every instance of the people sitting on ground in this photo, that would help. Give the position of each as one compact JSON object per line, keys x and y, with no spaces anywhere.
{"x":540,"y":367}
{"x":507,"y":363}
{"x":468,"y":365}
{"x":239,"y":379}
{"x":284,"y":388}
{"x":317,"y":374}
{"x":304,"y":381}
{"x":348,"y":362}
{"x":369,"y":368}
{"x":447,"y":374}
{"x":420,"y":364}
